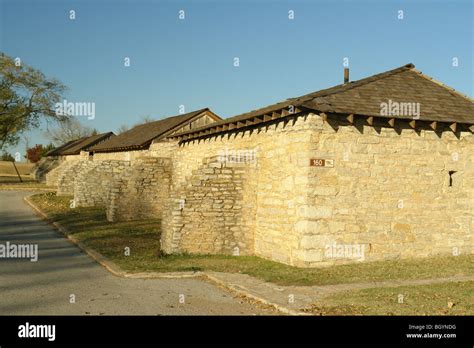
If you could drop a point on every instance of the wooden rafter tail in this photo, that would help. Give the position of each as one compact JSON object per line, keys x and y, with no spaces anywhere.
{"x":257,"y":119}
{"x":412,"y":124}
{"x":231,"y":126}
{"x":240,"y":124}
{"x":225,"y":127}
{"x":434,"y":125}
{"x":249,"y":122}
{"x":350,"y":118}
{"x":267,"y":117}
{"x":285,"y":112}
{"x":275,"y":115}
{"x":297,"y":110}
{"x":391,"y":122}
{"x":370,"y":121}
{"x":453,"y":126}
{"x":471,"y":128}
{"x":324,"y":116}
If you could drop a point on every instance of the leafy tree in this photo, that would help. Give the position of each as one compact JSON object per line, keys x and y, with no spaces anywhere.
{"x":7,"y":157}
{"x":27,"y":96}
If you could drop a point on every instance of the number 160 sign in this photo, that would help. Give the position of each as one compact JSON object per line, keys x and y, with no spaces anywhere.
{"x":317,"y":162}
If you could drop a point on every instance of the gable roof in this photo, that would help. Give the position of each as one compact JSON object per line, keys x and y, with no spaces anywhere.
{"x":74,"y":147}
{"x":141,"y":136}
{"x":56,"y":151}
{"x":364,"y":97}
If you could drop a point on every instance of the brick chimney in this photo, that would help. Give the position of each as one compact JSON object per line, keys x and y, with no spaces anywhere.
{"x":346,"y":75}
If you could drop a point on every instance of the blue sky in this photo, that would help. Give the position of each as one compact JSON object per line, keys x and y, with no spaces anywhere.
{"x":190,"y":62}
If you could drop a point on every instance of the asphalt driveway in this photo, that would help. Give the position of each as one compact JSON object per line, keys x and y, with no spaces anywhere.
{"x":63,"y":272}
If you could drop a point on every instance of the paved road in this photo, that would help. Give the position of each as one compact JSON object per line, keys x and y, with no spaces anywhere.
{"x":44,"y":287}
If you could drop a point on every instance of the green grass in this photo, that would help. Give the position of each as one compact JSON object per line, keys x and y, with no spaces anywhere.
{"x":453,"y":298}
{"x":142,"y":237}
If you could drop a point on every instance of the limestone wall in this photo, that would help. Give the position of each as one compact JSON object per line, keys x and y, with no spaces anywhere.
{"x":209,"y":214}
{"x":120,"y":155}
{"x":43,"y":167}
{"x":69,"y":175}
{"x":93,"y":181}
{"x":273,"y":189}
{"x":388,"y":193}
{"x":53,"y":175}
{"x":140,"y":191}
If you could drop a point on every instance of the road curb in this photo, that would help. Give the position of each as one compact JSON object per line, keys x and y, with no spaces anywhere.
{"x":117,"y":271}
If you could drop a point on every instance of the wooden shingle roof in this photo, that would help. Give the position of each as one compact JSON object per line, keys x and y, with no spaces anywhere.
{"x":74,"y":147}
{"x":141,"y":136}
{"x":438,"y":103}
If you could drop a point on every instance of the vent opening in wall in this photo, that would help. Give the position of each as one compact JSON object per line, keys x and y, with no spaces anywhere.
{"x":451,"y":173}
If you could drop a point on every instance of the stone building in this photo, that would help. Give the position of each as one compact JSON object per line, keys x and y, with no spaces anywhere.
{"x":375,"y":169}
{"x":65,"y":157}
{"x":123,"y":175}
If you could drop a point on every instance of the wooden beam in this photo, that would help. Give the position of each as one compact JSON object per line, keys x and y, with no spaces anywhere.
{"x":267,"y":117}
{"x":391,"y":122}
{"x":454,"y":127}
{"x":225,"y":127}
{"x":248,"y":122}
{"x":275,"y":115}
{"x":350,"y":118}
{"x":258,"y":119}
{"x":240,"y":124}
{"x":284,"y":112}
{"x":434,"y":125}
{"x":412,"y":124}
{"x":471,"y":128}
{"x":370,"y":121}
{"x":231,"y":126}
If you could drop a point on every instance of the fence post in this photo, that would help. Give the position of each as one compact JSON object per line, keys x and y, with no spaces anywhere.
{"x":19,"y":176}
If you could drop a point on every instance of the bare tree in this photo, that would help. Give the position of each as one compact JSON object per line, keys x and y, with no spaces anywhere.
{"x":70,"y":129}
{"x":144,"y":119}
{"x":123,"y":128}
